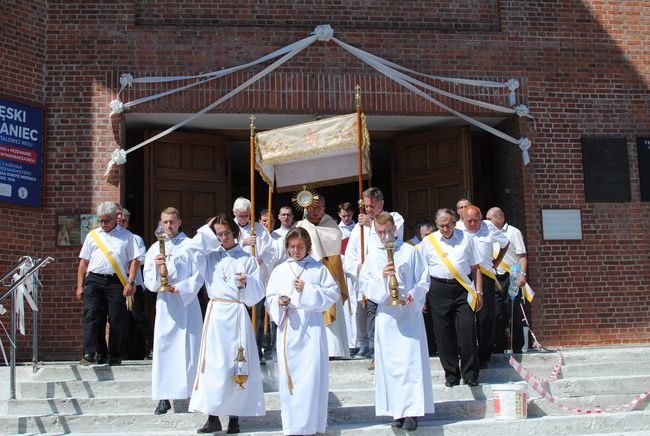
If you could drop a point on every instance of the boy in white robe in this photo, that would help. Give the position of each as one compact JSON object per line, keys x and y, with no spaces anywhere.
{"x":298,"y":292}
{"x":177,"y":330}
{"x":402,"y":374}
{"x":232,"y":280}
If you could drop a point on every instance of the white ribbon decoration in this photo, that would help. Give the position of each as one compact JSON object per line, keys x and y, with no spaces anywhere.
{"x":24,"y":292}
{"x":326,"y":33}
{"x":117,"y":107}
{"x":305,"y":43}
{"x":394,"y":75}
{"x":118,"y":157}
{"x":524,"y":145}
{"x":2,"y":347}
{"x":127,"y":80}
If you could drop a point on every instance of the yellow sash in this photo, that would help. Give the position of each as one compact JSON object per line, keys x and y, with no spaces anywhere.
{"x":471,"y":292}
{"x":529,"y":294}
{"x":111,"y":260}
{"x":491,"y":275}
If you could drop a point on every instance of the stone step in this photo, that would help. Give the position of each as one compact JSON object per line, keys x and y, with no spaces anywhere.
{"x":461,"y":401}
{"x":566,"y":387}
{"x":187,"y":423}
{"x":344,"y":371}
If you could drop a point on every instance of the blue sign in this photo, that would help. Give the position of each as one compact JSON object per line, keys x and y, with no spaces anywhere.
{"x":21,"y":151}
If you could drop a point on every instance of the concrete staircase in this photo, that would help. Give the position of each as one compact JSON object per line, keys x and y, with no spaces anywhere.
{"x":63,"y":397}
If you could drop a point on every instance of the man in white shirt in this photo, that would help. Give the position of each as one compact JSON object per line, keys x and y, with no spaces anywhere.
{"x":137,"y":312}
{"x":103,"y":288}
{"x":451,"y":256}
{"x":486,"y":235}
{"x":373,"y":200}
{"x":265,"y":254}
{"x":516,"y":254}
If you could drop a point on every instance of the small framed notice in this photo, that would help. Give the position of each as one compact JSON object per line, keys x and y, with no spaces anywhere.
{"x":562,"y":224}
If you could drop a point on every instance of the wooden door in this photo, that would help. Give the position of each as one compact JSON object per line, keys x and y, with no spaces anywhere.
{"x":432,"y":170}
{"x":189,"y":172}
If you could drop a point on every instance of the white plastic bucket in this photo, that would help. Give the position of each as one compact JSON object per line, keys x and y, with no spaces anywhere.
{"x":510,"y":401}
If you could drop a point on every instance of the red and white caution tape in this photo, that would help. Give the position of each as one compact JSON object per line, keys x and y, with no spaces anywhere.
{"x":538,"y":386}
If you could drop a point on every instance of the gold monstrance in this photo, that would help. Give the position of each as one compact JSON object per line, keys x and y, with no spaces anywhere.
{"x":389,"y":244}
{"x":161,"y":234}
{"x":305,"y":199}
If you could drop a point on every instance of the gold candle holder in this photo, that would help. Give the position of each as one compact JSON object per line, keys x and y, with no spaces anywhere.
{"x":161,"y":234}
{"x":389,"y":245}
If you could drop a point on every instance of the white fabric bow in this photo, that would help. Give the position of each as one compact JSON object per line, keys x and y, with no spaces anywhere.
{"x":324,"y":32}
{"x":117,"y":158}
{"x":117,"y":107}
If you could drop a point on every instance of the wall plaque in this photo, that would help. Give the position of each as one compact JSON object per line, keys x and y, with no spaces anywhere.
{"x":561,"y":224}
{"x":606,"y":170}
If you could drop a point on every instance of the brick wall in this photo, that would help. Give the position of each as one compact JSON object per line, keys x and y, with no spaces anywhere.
{"x":584,"y":67}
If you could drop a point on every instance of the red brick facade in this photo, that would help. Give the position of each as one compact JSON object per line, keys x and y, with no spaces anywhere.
{"x":584,"y":68}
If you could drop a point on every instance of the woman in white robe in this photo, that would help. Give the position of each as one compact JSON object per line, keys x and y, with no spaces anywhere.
{"x":299,"y":291}
{"x":177,"y":330}
{"x":403,"y":387}
{"x":225,"y":267}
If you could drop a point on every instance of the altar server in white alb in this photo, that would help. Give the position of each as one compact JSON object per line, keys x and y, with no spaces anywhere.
{"x":298,"y":292}
{"x":232,"y":280}
{"x":402,"y":376}
{"x":177,"y":331}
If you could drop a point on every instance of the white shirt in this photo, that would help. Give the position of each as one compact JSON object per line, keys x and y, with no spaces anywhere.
{"x":142,"y":250}
{"x":346,"y":230}
{"x":486,"y":237}
{"x":120,"y":243}
{"x":515,"y":249}
{"x":460,"y":250}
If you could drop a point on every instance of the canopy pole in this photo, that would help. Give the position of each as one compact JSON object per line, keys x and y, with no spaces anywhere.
{"x":268,"y":227}
{"x":357,"y":98}
{"x":252,"y":217}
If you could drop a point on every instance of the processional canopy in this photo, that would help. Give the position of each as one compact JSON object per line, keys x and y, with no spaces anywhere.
{"x":318,"y":153}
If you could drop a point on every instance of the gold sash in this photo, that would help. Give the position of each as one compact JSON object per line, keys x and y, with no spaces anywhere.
{"x":491,"y":275}
{"x":471,"y":292}
{"x":113,"y":262}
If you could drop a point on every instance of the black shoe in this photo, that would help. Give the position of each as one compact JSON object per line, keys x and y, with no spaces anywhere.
{"x":451,"y":384}
{"x":410,"y":423}
{"x":398,"y":423}
{"x":212,"y":425}
{"x":102,"y":359}
{"x":233,"y":425}
{"x":115,"y":361}
{"x":163,"y":407}
{"x":88,"y":359}
{"x":471,"y":383}
{"x":149,"y":355}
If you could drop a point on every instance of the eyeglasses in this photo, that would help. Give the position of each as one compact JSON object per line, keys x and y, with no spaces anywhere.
{"x":224,"y":235}
{"x":108,"y":221}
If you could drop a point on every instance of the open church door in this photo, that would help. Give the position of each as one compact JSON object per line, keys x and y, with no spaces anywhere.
{"x":187,"y":171}
{"x":432,"y":170}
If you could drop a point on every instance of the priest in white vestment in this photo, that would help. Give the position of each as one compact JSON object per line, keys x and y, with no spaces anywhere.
{"x":402,"y":375}
{"x":232,"y":281}
{"x":177,"y":330}
{"x":326,"y":248}
{"x":298,"y":292}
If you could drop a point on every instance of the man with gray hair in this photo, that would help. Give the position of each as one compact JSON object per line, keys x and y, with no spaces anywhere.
{"x":373,"y":200}
{"x":108,"y":263}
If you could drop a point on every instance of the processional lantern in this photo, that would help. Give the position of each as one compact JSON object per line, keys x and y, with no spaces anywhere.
{"x":161,"y":235}
{"x":388,"y":239}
